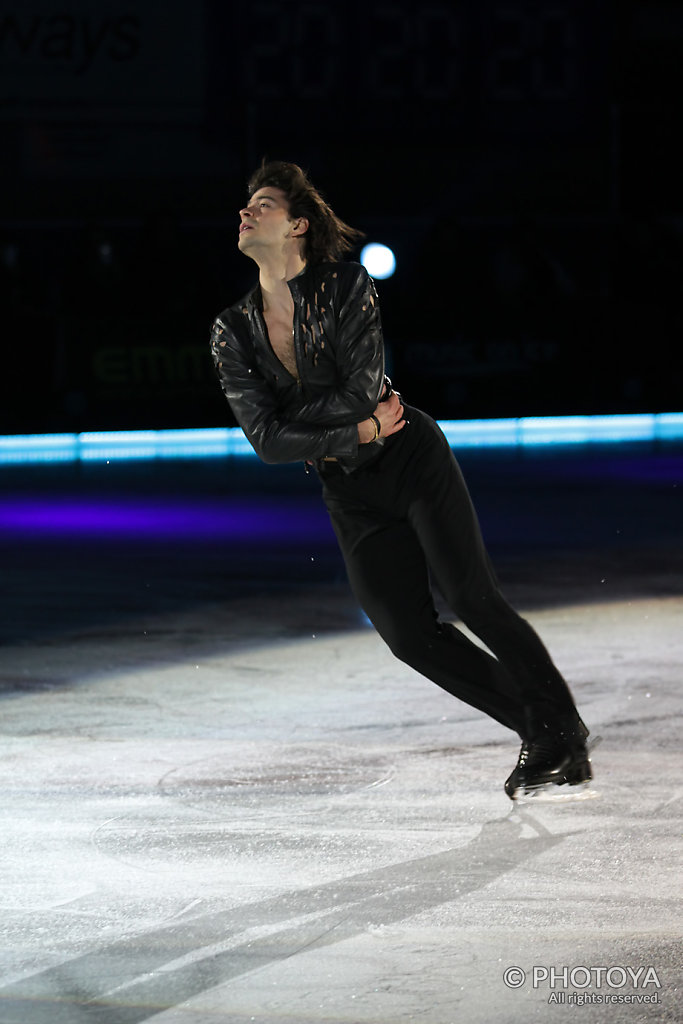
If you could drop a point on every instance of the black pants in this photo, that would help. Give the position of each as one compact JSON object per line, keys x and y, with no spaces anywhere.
{"x":407,"y":518}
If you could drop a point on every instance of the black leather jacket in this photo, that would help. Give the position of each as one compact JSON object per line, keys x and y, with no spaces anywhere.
{"x":340,"y":361}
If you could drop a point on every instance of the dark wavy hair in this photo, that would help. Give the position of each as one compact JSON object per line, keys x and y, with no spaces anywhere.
{"x":328,"y":238}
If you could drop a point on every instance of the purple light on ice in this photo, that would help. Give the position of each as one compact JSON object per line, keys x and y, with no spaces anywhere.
{"x":208,"y":520}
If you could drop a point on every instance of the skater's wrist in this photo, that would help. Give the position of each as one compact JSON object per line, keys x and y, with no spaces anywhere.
{"x":367,"y":431}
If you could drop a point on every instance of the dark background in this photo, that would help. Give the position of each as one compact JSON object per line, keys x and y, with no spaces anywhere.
{"x":522,"y":159}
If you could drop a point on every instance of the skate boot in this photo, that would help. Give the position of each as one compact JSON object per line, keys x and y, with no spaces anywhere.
{"x":554,"y":757}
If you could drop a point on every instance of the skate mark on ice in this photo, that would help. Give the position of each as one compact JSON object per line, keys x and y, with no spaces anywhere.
{"x":673,"y":799}
{"x":141,"y":966}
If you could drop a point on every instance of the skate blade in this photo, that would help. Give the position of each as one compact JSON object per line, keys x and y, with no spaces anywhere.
{"x":551,"y":793}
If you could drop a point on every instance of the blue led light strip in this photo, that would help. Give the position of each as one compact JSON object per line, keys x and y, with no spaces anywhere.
{"x":217,"y":441}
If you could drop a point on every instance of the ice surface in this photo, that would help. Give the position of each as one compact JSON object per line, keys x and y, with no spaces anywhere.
{"x":210,"y":816}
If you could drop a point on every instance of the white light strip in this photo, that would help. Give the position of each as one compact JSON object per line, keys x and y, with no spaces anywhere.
{"x":230,"y":441}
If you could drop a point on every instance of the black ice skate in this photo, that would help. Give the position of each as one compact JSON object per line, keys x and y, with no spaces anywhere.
{"x":552,"y":760}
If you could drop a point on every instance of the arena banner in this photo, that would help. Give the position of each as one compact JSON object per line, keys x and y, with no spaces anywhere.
{"x":115,"y":59}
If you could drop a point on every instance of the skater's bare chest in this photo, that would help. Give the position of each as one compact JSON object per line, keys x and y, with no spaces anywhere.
{"x":280,"y":327}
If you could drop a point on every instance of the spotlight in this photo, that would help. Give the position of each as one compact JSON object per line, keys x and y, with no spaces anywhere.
{"x":378,"y":260}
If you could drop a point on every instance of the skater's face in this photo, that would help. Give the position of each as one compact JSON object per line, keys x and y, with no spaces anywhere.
{"x":265,"y":223}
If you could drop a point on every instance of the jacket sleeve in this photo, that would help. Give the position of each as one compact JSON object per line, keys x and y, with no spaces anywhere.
{"x":360,"y":359}
{"x":273,"y":437}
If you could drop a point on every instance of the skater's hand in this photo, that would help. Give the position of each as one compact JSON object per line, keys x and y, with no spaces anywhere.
{"x":390,"y":415}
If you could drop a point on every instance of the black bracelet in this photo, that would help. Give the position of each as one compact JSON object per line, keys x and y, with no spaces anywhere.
{"x":378,"y":427}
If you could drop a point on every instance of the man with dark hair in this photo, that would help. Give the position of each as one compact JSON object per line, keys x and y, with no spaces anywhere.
{"x":301,"y":362}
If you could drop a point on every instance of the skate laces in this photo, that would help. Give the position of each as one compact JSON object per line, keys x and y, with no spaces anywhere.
{"x":542,"y":751}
